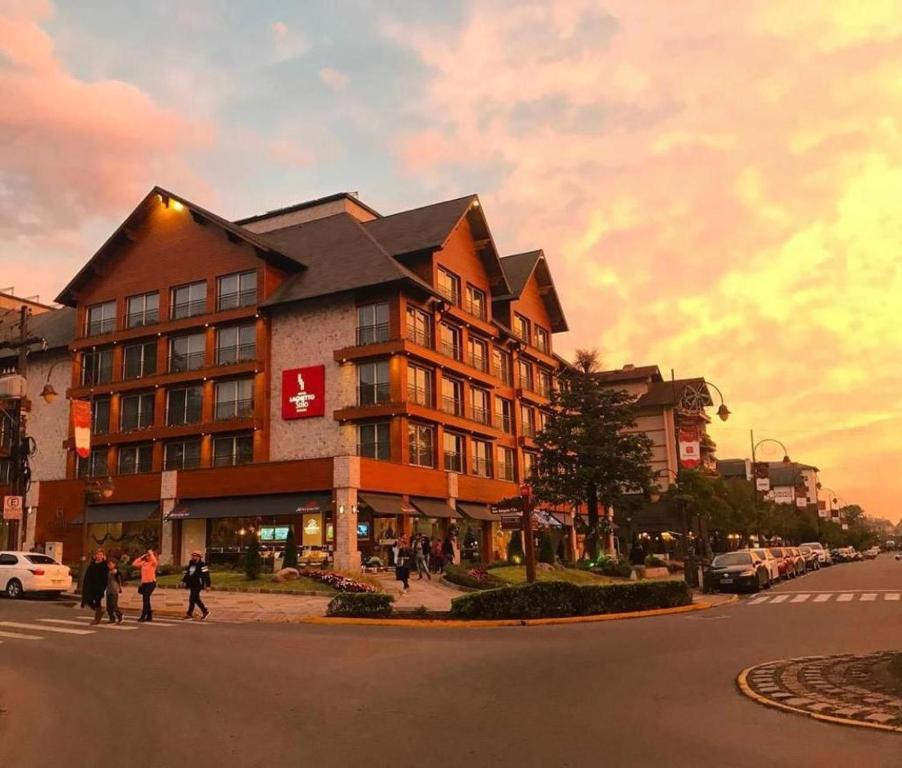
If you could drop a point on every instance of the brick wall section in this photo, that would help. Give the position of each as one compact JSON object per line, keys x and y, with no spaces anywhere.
{"x":305,"y":337}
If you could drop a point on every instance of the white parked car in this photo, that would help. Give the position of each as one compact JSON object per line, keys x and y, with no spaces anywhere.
{"x":871,"y":554}
{"x":773,"y":569}
{"x":22,"y":572}
{"x":822,"y":554}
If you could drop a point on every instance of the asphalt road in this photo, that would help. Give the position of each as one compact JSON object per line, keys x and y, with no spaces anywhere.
{"x":657,"y":691}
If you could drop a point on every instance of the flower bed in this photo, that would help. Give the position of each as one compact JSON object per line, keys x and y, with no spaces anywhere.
{"x":339,"y":582}
{"x":476,"y":577}
{"x":361,"y":605}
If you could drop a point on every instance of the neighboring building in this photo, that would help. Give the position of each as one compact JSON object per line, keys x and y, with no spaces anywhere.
{"x":321,"y":367}
{"x":8,"y":302}
{"x":788,"y":483}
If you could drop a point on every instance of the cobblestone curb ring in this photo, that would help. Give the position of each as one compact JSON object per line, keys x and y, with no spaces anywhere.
{"x":848,"y":689}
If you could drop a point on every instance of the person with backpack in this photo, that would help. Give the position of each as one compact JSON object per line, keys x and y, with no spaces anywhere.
{"x":196,"y":578}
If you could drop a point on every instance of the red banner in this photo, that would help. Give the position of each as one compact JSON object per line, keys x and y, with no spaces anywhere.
{"x":690,"y":447}
{"x":81,"y":421}
{"x":304,"y":392}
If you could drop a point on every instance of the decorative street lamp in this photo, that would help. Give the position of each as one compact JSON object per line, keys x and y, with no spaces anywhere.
{"x":723,"y":412}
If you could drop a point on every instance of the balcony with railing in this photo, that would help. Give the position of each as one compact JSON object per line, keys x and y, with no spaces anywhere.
{"x":480,"y":415}
{"x":454,"y":462}
{"x":504,"y":373}
{"x":380,"y":450}
{"x":504,"y":422}
{"x":481,"y":467}
{"x":505,"y":471}
{"x":227,"y":410}
{"x":235,"y":299}
{"x":528,"y":430}
{"x":236,"y":353}
{"x":421,"y":336}
{"x":142,"y":318}
{"x":419,"y":395}
{"x":478,"y":361}
{"x":450,"y":349}
{"x":453,"y":406}
{"x":372,"y":334}
{"x":475,"y":308}
{"x":374,"y":394}
{"x":189,"y":361}
{"x":102,"y":326}
{"x":191,"y":308}
{"x":450,"y":292}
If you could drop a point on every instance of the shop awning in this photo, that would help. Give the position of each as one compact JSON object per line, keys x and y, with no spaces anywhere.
{"x":434,"y":508}
{"x":271,"y":505}
{"x":476,"y":511}
{"x":385,"y":504}
{"x":543,"y":517}
{"x":121,"y":513}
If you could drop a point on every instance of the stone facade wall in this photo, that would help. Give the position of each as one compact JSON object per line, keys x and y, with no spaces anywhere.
{"x":307,"y":337}
{"x":48,"y":423}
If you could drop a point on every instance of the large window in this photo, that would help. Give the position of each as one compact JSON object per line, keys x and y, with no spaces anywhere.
{"x":477,"y":351}
{"x":419,"y":327}
{"x":482,"y":458}
{"x":142,"y":310}
{"x":236,"y":344}
{"x":97,"y":367}
{"x":237,"y":290}
{"x":234,"y":399}
{"x":505,"y":463}
{"x":101,"y":318}
{"x":529,"y":463}
{"x":135,"y":459}
{"x":187,"y":353}
{"x":476,"y":304}
{"x":479,"y":405}
{"x":450,"y":341}
{"x":95,"y":465}
{"x":188,"y":300}
{"x":372,"y":323}
{"x":231,"y":450}
{"x":544,"y":382}
{"x":182,"y":454}
{"x":419,"y":385}
{"x":504,"y":415}
{"x":543,"y":343}
{"x":139,"y":360}
{"x":524,"y":373}
{"x":373,"y":383}
{"x":421,"y":444}
{"x":527,"y":421}
{"x":136,"y":411}
{"x":454,"y":452}
{"x":521,"y":328}
{"x":100,"y":415}
{"x":449,"y":286}
{"x":185,"y":405}
{"x":502,"y":366}
{"x":452,"y":396}
{"x":374,"y":441}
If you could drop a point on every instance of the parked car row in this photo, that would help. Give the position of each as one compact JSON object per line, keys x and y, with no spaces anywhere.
{"x":22,"y":572}
{"x":759,"y":568}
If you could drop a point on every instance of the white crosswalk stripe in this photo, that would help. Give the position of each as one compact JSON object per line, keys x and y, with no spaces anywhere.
{"x":77,"y":625}
{"x":869,"y":597}
{"x":45,"y":628}
{"x":845,"y":597}
{"x":891,"y":596}
{"x":780,"y":599}
{"x":799,"y":598}
{"x":20,"y":636}
{"x":825,"y":597}
{"x":105,"y":625}
{"x":822,"y":598}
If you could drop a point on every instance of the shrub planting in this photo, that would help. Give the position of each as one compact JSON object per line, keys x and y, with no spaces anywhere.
{"x":475,"y":577}
{"x":553,"y":599}
{"x":291,"y":551}
{"x":610,"y":567}
{"x":364,"y":605}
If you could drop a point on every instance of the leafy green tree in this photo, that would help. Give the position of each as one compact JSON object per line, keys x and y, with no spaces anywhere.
{"x":590,"y":452}
{"x":253,"y":563}
{"x":546,"y":548}
{"x":291,"y":551}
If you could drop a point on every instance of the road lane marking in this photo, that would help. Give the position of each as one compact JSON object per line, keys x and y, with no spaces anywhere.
{"x":19,"y":636}
{"x":780,"y":599}
{"x":823,"y":598}
{"x":799,"y":598}
{"x":106,"y":625}
{"x":759,"y":600}
{"x":868,"y":597}
{"x":891,"y":596}
{"x":153,"y":623}
{"x":45,"y":628}
{"x":845,"y":597}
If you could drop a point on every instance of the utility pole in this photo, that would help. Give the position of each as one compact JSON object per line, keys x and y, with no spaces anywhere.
{"x":529,"y":543}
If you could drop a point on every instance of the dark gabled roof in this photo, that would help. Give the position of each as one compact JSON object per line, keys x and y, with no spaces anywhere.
{"x":632,"y":373}
{"x":56,"y":328}
{"x":264,"y":250}
{"x":340,"y":255}
{"x":426,"y":229}
{"x":307,"y":204}
{"x":668,"y":393}
{"x":518,"y":268}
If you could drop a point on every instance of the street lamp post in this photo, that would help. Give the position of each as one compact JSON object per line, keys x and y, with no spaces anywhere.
{"x":690,"y":570}
{"x":832,"y":500}
{"x":755,"y":446}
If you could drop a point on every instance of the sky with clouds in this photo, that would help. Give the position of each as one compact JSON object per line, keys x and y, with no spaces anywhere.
{"x":716,"y":185}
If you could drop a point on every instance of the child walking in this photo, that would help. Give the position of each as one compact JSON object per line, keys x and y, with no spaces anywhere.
{"x":113,"y":590}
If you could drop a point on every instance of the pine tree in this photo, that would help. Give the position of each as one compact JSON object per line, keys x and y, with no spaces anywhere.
{"x":291,"y":551}
{"x":253,"y":562}
{"x":590,"y":451}
{"x":546,"y":548}
{"x":515,"y":548}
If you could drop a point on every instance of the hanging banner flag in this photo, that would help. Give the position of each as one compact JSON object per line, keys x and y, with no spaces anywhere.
{"x":690,"y":448}
{"x":81,"y":420}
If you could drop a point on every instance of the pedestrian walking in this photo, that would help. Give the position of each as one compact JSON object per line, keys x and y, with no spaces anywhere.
{"x":113,"y":590}
{"x":196,"y":579}
{"x":421,"y":552}
{"x":148,"y":564}
{"x":437,"y":564}
{"x":94,"y":585}
{"x":447,"y":552}
{"x":402,"y":565}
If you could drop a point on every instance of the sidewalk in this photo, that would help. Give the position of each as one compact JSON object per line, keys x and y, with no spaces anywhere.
{"x":432,"y":594}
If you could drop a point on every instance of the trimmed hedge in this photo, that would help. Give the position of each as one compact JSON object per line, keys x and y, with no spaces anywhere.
{"x":473,"y":577}
{"x":611,"y":567}
{"x":366,"y":605}
{"x":554,"y":599}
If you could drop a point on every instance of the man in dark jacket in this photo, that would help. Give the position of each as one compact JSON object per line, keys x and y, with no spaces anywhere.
{"x":196,"y":578}
{"x":94,"y":585}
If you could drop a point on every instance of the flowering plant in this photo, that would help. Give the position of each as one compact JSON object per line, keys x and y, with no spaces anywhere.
{"x":339,"y":582}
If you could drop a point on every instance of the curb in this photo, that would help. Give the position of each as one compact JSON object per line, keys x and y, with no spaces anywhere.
{"x":492,"y":623}
{"x":746,"y":690}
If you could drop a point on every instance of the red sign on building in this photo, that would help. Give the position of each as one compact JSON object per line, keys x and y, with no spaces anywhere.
{"x":81,"y":420}
{"x":690,"y":453}
{"x":304,"y":392}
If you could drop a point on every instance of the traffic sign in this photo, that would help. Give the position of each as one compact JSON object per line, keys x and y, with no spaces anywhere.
{"x":12,"y":507}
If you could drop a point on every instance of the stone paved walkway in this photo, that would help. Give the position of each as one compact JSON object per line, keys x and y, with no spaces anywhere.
{"x":860,"y":690}
{"x":433,"y":594}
